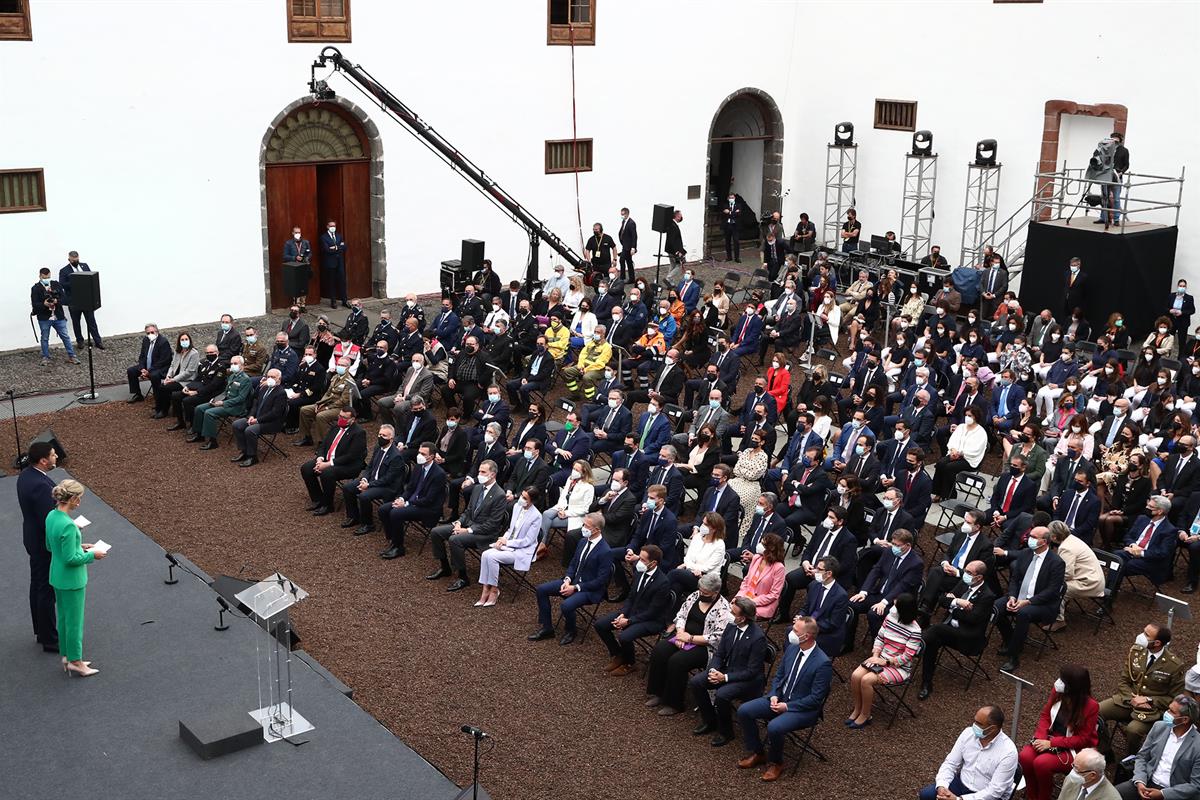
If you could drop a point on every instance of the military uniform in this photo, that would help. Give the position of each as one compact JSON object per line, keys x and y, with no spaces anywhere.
{"x":254,"y":359}
{"x":308,"y":387}
{"x":236,"y":403}
{"x":416,"y":312}
{"x":315,"y":419}
{"x":210,"y":380}
{"x":1160,"y":683}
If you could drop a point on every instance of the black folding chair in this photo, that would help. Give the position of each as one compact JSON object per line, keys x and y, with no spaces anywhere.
{"x":586,"y":617}
{"x":803,"y":737}
{"x":1101,"y":607}
{"x":892,"y":696}
{"x":1041,"y":637}
{"x":968,"y":666}
{"x":267,"y":440}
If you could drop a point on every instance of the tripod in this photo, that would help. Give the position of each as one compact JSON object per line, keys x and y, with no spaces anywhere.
{"x":91,"y":399}
{"x":22,"y":460}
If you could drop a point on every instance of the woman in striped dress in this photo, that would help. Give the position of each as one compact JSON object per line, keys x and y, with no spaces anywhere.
{"x":891,"y":660}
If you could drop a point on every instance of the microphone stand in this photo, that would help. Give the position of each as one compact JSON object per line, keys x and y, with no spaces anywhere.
{"x":21,"y":461}
{"x":91,"y":399}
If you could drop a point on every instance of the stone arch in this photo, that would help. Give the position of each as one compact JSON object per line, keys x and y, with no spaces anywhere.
{"x":309,"y":130}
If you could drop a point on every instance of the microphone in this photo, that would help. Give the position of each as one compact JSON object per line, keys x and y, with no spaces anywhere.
{"x":473,"y":731}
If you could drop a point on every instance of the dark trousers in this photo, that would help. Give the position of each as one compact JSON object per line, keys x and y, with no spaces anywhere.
{"x":187,"y":407}
{"x":620,"y":642}
{"x":41,"y":597}
{"x":957,"y":787}
{"x":795,"y":581}
{"x":465,"y":396}
{"x":720,"y":713}
{"x":520,"y":394}
{"x":684,"y":583}
{"x":363,"y":404}
{"x":395,"y":520}
{"x":568,"y":606}
{"x":625,"y":260}
{"x":668,"y":670}
{"x":456,"y":559}
{"x":856,"y":610}
{"x":167,"y":397}
{"x":90,"y":317}
{"x":1015,"y":627}
{"x":943,"y":635}
{"x":246,"y":435}
{"x":733,"y":245}
{"x":335,"y":282}
{"x":1193,"y":571}
{"x":294,"y":406}
{"x":321,"y":487}
{"x":135,"y":381}
{"x":778,"y":726}
{"x":946,"y":473}
{"x":358,"y":504}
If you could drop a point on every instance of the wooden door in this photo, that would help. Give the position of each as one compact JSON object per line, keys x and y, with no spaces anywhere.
{"x":343,"y":194}
{"x":291,"y":201}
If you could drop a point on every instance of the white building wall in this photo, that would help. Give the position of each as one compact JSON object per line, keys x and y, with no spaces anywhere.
{"x":147,"y":118}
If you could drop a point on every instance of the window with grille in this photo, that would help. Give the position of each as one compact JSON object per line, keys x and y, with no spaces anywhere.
{"x":568,"y":155}
{"x":896,"y":115}
{"x":14,"y":20}
{"x":571,"y":21}
{"x":22,"y":190}
{"x":318,"y":20}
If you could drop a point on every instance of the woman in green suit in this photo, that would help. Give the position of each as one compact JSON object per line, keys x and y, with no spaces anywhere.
{"x":69,"y":558}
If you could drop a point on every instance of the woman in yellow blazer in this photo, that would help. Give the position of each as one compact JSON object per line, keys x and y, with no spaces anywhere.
{"x":69,"y":558}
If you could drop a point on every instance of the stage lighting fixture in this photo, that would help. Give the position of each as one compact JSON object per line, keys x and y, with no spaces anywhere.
{"x":843,"y":134}
{"x":922,"y":143}
{"x":985,"y":153}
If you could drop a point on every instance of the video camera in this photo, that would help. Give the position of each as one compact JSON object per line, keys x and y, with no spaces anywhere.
{"x":1100,"y":166}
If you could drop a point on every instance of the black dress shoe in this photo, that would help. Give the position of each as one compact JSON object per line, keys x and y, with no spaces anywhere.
{"x":313,"y":506}
{"x":291,"y":431}
{"x":193,"y":438}
{"x":720,"y":740}
{"x":438,"y":574}
{"x":248,"y":461}
{"x":1012,"y":665}
{"x":391,"y":552}
{"x":137,"y":398}
{"x":350,"y":523}
{"x":178,"y":426}
{"x":211,"y":444}
{"x":566,"y":639}
{"x":99,"y":346}
{"x":50,"y":647}
{"x":925,"y":692}
{"x":322,"y":511}
{"x":237,"y":458}
{"x":364,"y":529}
{"x":305,"y":442}
{"x":703,"y":728}
{"x":1191,"y":587}
{"x":158,"y":415}
{"x":543,"y":633}
{"x":458,"y":585}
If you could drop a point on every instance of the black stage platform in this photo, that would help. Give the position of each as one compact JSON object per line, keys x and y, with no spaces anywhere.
{"x":116,"y":734}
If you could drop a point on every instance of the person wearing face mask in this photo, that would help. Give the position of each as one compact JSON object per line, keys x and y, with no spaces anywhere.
{"x":185,"y":363}
{"x":73,"y":267}
{"x":583,"y":583}
{"x":316,"y":418}
{"x":377,"y":379}
{"x":980,"y":765}
{"x":1149,"y":546}
{"x":746,"y":332}
{"x":599,"y":248}
{"x":1035,"y":591}
{"x":1067,"y":724}
{"x":645,"y":613}
{"x":1152,"y":676}
{"x":467,"y":377}
{"x":620,"y":506}
{"x":653,"y":428}
{"x":1077,"y":288}
{"x":208,"y":383}
{"x":420,"y":501}
{"x":267,"y":416}
{"x":387,"y":331}
{"x":480,"y":524}
{"x":296,"y":330}
{"x":297,"y":258}
{"x":580,"y":379}
{"x":704,"y":554}
{"x":609,"y":419}
{"x":1055,"y":375}
{"x":570,"y":498}
{"x":284,"y":359}
{"x":965,"y":450}
{"x":152,"y":365}
{"x":235,"y":401}
{"x":657,"y":525}
{"x":831,"y":538}
{"x":1079,"y":506}
{"x":341,"y":455}
{"x":447,"y":325}
{"x":1167,"y":764}
{"x":735,"y":662}
{"x":333,"y":265}
{"x":254,"y":354}
{"x":794,"y":702}
{"x":1086,"y":779}
{"x":897,"y":572}
{"x":486,"y":281}
{"x":492,"y":408}
{"x":46,"y":299}
{"x":417,"y":381}
{"x":381,"y":480}
{"x":970,"y":543}
{"x":515,"y":547}
{"x":323,"y":340}
{"x":731,"y":214}
{"x":964,"y":629}
{"x":1006,"y":400}
{"x":306,"y":387}
{"x":1162,"y":338}
{"x":891,"y":661}
{"x":665,"y":379}
{"x":828,"y":603}
{"x":1180,"y":308}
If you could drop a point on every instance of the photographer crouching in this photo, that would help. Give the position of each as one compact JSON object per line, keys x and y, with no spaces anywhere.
{"x":46,"y":297}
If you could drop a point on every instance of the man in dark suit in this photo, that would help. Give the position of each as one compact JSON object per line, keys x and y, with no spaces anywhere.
{"x":1149,"y":547}
{"x":1180,"y":308}
{"x":421,"y":501}
{"x":1014,"y":494}
{"x":627,"y":236}
{"x":1035,"y":590}
{"x":381,"y":480}
{"x":480,"y":524}
{"x":1063,"y":478}
{"x":535,"y":378}
{"x":447,"y":327}
{"x":528,"y":470}
{"x":735,"y":672}
{"x":584,"y":582}
{"x":1077,"y":289}
{"x":229,"y":341}
{"x":267,"y":415}
{"x":828,"y":603}
{"x":74,"y":266}
{"x":658,"y":526}
{"x":653,"y":428}
{"x":609,"y":423}
{"x":720,"y":498}
{"x":34,"y":487}
{"x":415,"y":426}
{"x":619,"y":505}
{"x":297,"y":331}
{"x":898,"y":572}
{"x":1079,"y":507}
{"x":797,"y":697}
{"x":340,"y":456}
{"x":764,"y":521}
{"x":774,"y":251}
{"x":333,"y":264}
{"x":153,"y":361}
{"x":969,"y":609}
{"x":645,"y":613}
{"x":663,"y":471}
{"x":1180,"y":475}
{"x":492,"y":408}
{"x":510,"y":300}
{"x":569,"y":445}
{"x":730,"y":220}
{"x":807,"y":490}
{"x":831,"y":538}
{"x":887,"y":520}
{"x":724,"y":376}
{"x":969,"y":544}
{"x":667,"y":381}
{"x":674,"y":241}
{"x":745,"y":332}
{"x":1006,"y":401}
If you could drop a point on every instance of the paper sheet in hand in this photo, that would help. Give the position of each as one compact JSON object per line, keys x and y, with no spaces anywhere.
{"x":101,"y":547}
{"x":82,"y":522}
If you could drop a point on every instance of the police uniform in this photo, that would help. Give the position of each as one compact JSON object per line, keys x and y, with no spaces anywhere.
{"x":1160,"y":683}
{"x":416,"y":312}
{"x":207,"y":417}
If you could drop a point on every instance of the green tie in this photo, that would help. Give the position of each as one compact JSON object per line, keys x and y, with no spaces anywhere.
{"x":646,"y":432}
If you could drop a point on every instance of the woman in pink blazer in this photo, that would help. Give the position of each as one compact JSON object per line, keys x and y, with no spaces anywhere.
{"x":764,"y":578}
{"x":515,"y":548}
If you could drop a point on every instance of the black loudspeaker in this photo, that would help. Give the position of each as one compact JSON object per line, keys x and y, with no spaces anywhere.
{"x":48,"y":436}
{"x":472,"y":255}
{"x":85,"y":291}
{"x":662,"y":217}
{"x":295,"y":279}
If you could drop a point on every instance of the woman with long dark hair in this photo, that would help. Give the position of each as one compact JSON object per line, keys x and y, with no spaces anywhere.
{"x":1066,"y":726}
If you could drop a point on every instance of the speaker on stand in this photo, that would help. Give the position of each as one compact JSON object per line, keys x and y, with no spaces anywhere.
{"x":85,"y":296}
{"x":663,"y":214}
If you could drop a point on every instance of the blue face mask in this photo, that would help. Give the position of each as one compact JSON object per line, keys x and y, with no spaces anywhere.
{"x":896,"y":550}
{"x":648,"y":505}
{"x":977,"y":730}
{"x":1168,"y":718}
{"x":341,"y":370}
{"x":529,"y":455}
{"x":967,"y":579}
{"x":759,"y":510}
{"x":859,"y":449}
{"x":806,"y":461}
{"x":920,"y":362}
{"x":714,"y":403}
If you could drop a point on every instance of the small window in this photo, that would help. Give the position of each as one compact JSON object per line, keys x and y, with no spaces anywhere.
{"x":568,"y":155}
{"x":14,"y":20}
{"x":22,"y":190}
{"x":571,"y":21}
{"x":694,"y":191}
{"x":896,"y":115}
{"x":317,"y":20}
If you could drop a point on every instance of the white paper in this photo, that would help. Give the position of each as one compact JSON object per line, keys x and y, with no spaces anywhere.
{"x":101,"y":547}
{"x":82,"y":522}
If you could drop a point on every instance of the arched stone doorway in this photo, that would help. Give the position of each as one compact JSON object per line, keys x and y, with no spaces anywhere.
{"x":320,"y":161}
{"x":745,"y":151}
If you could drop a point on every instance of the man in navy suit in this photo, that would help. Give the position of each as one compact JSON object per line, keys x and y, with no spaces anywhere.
{"x":267,"y":415}
{"x":765,"y":521}
{"x":152,"y":364}
{"x":1035,"y":591}
{"x":1006,"y":400}
{"x":1180,"y":309}
{"x":734,"y":673}
{"x":663,"y":472}
{"x":33,"y":495}
{"x":729,"y":227}
{"x":535,"y":378}
{"x":658,"y":526}
{"x":446,"y":326}
{"x":1150,"y":544}
{"x":796,"y":701}
{"x":831,"y":538}
{"x":888,"y":519}
{"x":584,"y":584}
{"x":379,"y":481}
{"x":645,"y":613}
{"x":807,"y":489}
{"x":802,"y":440}
{"x":421,"y":501}
{"x":746,"y":332}
{"x":689,"y":291}
{"x":898,"y":572}
{"x":720,"y":498}
{"x":1014,"y":494}
{"x":827,"y":602}
{"x":491,"y":409}
{"x":333,"y":264}
{"x":728,"y":370}
{"x":74,"y":265}
{"x":1079,"y":507}
{"x":916,"y":485}
{"x":627,"y":236}
{"x":571,"y":444}
{"x":653,"y":428}
{"x":610,"y":423}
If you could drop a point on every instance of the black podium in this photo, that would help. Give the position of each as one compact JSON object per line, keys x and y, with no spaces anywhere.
{"x":296,"y":275}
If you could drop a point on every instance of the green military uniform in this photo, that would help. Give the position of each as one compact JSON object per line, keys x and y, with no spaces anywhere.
{"x":1160,"y":683}
{"x":236,"y":403}
{"x":254,"y":359}
{"x":68,"y":576}
{"x":316,"y":418}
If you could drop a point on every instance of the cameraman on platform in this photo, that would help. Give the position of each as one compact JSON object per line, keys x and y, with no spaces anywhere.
{"x":46,"y":297}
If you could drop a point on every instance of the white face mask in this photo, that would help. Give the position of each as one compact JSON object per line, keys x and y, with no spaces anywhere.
{"x":152,"y":336}
{"x":482,"y":479}
{"x":760,"y":548}
{"x":296,"y":236}
{"x":332,"y":229}
{"x":1059,"y":686}
{"x":827,"y":524}
{"x":271,"y":382}
{"x":794,"y":637}
{"x":889,"y":503}
{"x":576,"y":474}
{"x":421,"y":459}
{"x":490,"y":438}
{"x":704,"y":531}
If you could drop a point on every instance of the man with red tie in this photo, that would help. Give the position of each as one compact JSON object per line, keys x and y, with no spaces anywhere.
{"x":1150,"y":545}
{"x":746,"y":332}
{"x":341,"y":456}
{"x":1013,"y":495}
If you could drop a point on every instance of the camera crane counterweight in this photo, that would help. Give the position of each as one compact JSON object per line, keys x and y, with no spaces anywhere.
{"x":377,"y":92}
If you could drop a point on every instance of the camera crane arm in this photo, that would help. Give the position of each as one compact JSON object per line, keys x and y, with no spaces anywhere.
{"x":534,"y":228}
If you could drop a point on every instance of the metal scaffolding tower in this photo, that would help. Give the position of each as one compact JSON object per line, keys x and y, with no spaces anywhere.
{"x":916,"y":218}
{"x":841,"y":174}
{"x":979,"y":212}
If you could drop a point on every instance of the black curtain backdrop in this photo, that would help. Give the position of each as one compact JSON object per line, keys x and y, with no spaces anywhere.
{"x":1130,"y":273}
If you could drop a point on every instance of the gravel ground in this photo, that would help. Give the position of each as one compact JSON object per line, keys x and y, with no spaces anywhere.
{"x":424,"y":662}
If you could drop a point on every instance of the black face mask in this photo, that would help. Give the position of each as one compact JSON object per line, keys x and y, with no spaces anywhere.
{"x":294,"y":315}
